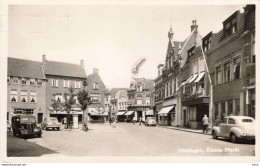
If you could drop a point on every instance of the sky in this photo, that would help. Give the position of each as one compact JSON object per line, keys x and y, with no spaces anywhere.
{"x":108,"y":37}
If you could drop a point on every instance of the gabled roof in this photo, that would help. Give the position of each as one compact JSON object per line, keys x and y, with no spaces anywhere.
{"x":148,"y":83}
{"x":114,"y":91}
{"x":122,"y":93}
{"x":64,"y":69}
{"x":24,"y":68}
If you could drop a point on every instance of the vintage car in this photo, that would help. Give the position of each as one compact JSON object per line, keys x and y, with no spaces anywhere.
{"x":51,"y":123}
{"x":25,"y":125}
{"x":236,"y":128}
{"x":150,"y":121}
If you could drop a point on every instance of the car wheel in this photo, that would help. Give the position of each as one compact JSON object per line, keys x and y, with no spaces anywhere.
{"x":58,"y":128}
{"x":39,"y":135}
{"x":214,"y":135}
{"x":233,"y":138}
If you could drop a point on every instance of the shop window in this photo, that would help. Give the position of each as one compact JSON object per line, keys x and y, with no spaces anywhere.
{"x":23,"y":96}
{"x":227,"y":72}
{"x":218,"y":75}
{"x":139,"y":102}
{"x":33,"y":98}
{"x":14,"y":96}
{"x":236,"y":68}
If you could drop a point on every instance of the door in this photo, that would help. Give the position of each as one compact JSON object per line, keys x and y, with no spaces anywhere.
{"x":231,"y":123}
{"x":184,"y":117}
{"x":222,"y":127}
{"x":75,"y":121}
{"x":169,"y":119}
{"x":40,"y":116}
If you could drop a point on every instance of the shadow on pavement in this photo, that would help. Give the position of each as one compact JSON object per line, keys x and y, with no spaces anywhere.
{"x":18,"y":147}
{"x":238,"y":142}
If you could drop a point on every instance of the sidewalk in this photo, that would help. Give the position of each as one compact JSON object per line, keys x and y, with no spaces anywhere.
{"x":198,"y":131}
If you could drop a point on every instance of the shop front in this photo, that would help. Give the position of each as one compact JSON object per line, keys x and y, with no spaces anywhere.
{"x":167,"y":115}
{"x":120,"y":116}
{"x":96,"y":115}
{"x":129,"y":116}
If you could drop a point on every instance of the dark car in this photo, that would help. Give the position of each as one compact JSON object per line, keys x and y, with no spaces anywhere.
{"x":25,"y":125}
{"x":51,"y":122}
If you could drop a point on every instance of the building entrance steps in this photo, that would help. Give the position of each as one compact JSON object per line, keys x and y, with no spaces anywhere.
{"x":199,"y":131}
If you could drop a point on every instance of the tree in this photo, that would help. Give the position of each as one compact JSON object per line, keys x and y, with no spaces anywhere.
{"x":84,"y":101}
{"x":56,"y":105}
{"x":69,"y":101}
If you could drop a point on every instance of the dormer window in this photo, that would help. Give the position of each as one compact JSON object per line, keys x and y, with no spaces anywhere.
{"x":206,"y":43}
{"x":191,"y":52}
{"x":230,"y":26}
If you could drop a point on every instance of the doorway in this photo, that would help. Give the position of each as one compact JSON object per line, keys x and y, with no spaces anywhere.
{"x":40,"y":116}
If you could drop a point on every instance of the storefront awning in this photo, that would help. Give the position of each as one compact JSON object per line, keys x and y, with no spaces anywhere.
{"x":120,"y":113}
{"x":129,"y":113}
{"x":201,"y":75}
{"x":96,"y":111}
{"x":185,"y":82}
{"x":149,"y":112}
{"x":166,"y":110}
{"x":193,"y":78}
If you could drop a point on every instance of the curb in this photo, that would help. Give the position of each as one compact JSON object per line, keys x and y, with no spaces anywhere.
{"x":180,"y":129}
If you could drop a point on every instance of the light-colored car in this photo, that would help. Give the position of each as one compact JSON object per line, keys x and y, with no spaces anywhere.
{"x":150,"y":121}
{"x":236,"y":128}
{"x":51,"y":123}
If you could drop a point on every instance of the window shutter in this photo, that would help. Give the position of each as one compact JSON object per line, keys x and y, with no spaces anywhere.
{"x":57,"y":83}
{"x":52,"y":82}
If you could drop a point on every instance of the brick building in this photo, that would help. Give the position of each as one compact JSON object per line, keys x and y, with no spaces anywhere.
{"x":60,"y":77}
{"x":26,"y":88}
{"x":96,"y":89}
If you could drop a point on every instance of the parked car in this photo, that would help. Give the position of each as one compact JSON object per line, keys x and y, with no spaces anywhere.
{"x":8,"y":125}
{"x":236,"y":128}
{"x":25,"y":125}
{"x":51,"y":123}
{"x":150,"y":121}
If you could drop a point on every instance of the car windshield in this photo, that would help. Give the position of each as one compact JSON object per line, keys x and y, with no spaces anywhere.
{"x":247,"y":120}
{"x":28,"y":119}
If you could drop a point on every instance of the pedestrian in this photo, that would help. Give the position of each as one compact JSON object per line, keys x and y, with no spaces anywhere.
{"x":65,"y":122}
{"x":110,"y":120}
{"x":140,"y":121}
{"x":133,"y":121}
{"x":205,"y":121}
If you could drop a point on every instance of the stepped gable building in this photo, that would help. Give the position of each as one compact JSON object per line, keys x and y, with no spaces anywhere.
{"x":96,"y":89}
{"x":61,"y":76}
{"x":26,"y":84}
{"x":231,"y":59}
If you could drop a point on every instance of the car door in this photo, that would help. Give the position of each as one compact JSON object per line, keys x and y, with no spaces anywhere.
{"x":231,"y":123}
{"x":222,"y":128}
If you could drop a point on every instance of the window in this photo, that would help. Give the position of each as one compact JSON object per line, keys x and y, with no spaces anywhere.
{"x":237,"y":107}
{"x":23,"y":96}
{"x":54,"y":82}
{"x":231,"y":121}
{"x":206,"y":43}
{"x":24,"y":81}
{"x":170,"y":87}
{"x":218,"y":75}
{"x":8,"y":80}
{"x":32,"y":82}
{"x":14,"y":96}
{"x":174,"y":85}
{"x":139,"y":102}
{"x":139,"y":95}
{"x":66,"y":83}
{"x":18,"y":111}
{"x":195,"y":67}
{"x":39,"y":82}
{"x":236,"y":68}
{"x":227,"y":72}
{"x":58,"y":97}
{"x":223,"y":110}
{"x":15,"y":80}
{"x":230,"y":27}
{"x":95,"y":97}
{"x":28,"y":111}
{"x":201,"y":65}
{"x":253,"y":47}
{"x":147,"y":95}
{"x":33,"y":97}
{"x":77,"y":84}
{"x":95,"y":85}
{"x":166,"y":90}
{"x":201,"y":83}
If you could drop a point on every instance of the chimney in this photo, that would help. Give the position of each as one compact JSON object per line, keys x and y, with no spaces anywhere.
{"x":194,"y":25}
{"x":95,"y":71}
{"x":44,"y":59}
{"x":82,"y":63}
{"x":170,"y":34}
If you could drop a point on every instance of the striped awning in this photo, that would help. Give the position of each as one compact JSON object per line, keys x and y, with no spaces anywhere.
{"x":193,"y":78}
{"x":166,"y":110}
{"x":121,"y":113}
{"x":201,"y":75}
{"x":129,"y":113}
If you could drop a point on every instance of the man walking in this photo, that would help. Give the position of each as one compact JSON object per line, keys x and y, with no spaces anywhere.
{"x":205,"y":121}
{"x":65,"y":123}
